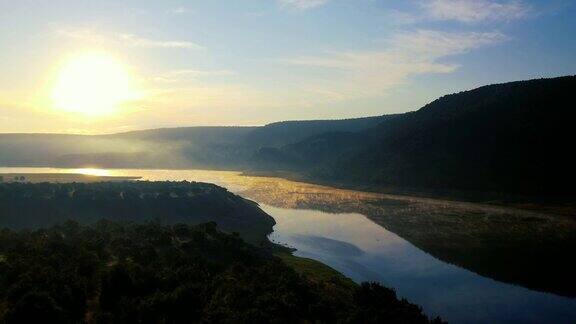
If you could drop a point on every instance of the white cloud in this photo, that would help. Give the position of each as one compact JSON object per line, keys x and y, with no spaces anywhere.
{"x":372,"y":73}
{"x":473,"y":11}
{"x":130,"y":40}
{"x":303,"y":4}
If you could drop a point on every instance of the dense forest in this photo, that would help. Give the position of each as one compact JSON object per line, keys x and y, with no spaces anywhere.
{"x":510,"y":138}
{"x":29,"y":206}
{"x":149,"y":273}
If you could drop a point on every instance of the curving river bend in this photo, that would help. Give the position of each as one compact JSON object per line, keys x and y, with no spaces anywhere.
{"x":410,"y":244}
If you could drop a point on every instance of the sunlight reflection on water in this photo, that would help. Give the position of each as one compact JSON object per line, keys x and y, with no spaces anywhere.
{"x":92,"y":172}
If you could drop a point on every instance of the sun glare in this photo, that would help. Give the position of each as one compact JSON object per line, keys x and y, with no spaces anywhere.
{"x":92,"y":84}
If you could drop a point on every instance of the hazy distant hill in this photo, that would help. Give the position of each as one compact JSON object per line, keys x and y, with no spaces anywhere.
{"x":156,"y":147}
{"x":185,"y":147}
{"x":43,"y":149}
{"x":203,"y":135}
{"x":289,"y":132}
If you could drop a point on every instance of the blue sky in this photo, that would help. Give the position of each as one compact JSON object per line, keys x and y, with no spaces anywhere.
{"x":257,"y":61}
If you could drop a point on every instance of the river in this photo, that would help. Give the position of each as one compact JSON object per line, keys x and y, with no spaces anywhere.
{"x":360,"y":235}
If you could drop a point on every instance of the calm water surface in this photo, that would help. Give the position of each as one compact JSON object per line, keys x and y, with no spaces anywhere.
{"x":366,"y":251}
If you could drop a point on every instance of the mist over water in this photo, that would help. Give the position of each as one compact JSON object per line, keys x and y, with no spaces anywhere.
{"x":365,"y":251}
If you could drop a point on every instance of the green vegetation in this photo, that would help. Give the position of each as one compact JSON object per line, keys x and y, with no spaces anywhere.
{"x":314,"y":270}
{"x":126,"y":273}
{"x":26,"y":205}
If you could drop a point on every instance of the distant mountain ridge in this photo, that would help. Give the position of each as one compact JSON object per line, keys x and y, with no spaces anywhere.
{"x":221,"y":147}
{"x":512,"y":138}
{"x":289,"y":132}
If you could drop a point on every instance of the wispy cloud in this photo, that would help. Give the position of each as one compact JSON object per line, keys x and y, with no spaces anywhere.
{"x":303,"y":4}
{"x":125,"y":39}
{"x":179,"y":11}
{"x":474,"y":11}
{"x":136,"y":41}
{"x":402,"y":17}
{"x":190,"y":75}
{"x":371,"y":73}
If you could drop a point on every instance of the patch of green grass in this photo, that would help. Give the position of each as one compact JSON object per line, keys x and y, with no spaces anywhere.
{"x":314,"y":270}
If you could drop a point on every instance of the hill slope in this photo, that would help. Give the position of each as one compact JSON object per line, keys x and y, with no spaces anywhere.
{"x":290,"y":132}
{"x":514,"y":137}
{"x":29,"y":206}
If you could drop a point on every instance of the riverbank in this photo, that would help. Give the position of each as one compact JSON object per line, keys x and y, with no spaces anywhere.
{"x":561,"y":206}
{"x":498,"y":241}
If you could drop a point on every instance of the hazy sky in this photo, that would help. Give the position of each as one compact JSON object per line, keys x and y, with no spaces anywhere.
{"x":250,"y":62}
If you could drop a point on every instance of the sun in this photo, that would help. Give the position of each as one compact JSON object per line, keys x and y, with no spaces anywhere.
{"x":92,"y":84}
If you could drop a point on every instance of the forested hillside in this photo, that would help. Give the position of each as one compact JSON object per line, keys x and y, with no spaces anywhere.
{"x":128,"y":273}
{"x":512,"y":137}
{"x":30,"y":206}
